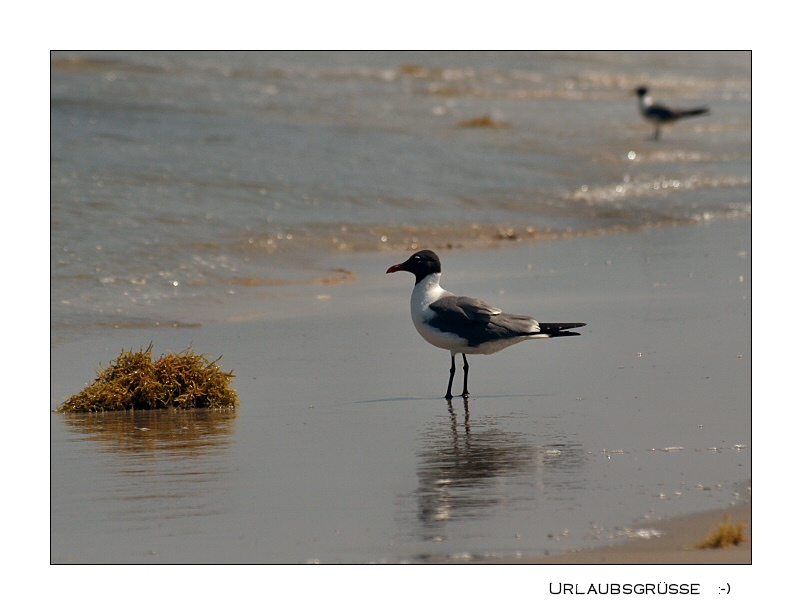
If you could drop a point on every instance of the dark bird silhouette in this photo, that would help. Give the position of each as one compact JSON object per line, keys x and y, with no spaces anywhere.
{"x":659,"y":114}
{"x":465,"y":325}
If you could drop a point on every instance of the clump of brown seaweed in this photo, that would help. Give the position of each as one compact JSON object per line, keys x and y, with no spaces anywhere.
{"x":727,"y":534}
{"x":483,"y":121}
{"x":135,"y":382}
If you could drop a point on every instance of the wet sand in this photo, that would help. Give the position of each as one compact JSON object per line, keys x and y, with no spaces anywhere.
{"x":646,"y":414}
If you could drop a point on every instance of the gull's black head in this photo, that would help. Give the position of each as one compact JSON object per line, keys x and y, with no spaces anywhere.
{"x":642,"y":91}
{"x":419,"y":264}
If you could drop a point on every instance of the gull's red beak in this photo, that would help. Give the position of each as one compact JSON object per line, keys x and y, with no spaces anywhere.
{"x":398,"y":267}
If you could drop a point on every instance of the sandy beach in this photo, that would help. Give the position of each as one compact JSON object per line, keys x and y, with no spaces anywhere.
{"x":675,"y":543}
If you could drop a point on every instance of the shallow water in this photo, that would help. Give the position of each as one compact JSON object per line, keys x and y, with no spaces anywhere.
{"x":343,"y":450}
{"x":182,"y":181}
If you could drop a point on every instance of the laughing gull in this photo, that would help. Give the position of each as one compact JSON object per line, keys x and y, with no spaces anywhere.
{"x":465,"y":325}
{"x":659,"y":114}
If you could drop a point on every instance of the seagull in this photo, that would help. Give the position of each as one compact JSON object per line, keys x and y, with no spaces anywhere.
{"x":463,"y":324}
{"x":660,"y":114}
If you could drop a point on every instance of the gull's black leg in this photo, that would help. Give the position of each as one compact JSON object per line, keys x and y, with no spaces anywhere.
{"x":465,"y":380}
{"x":451,"y":378}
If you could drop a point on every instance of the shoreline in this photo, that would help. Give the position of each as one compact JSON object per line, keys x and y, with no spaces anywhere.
{"x":327,"y":269}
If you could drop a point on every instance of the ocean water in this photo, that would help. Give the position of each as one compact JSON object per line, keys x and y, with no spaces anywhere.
{"x":181,"y":182}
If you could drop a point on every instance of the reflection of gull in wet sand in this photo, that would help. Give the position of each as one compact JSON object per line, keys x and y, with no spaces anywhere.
{"x":463,"y":324}
{"x":460,"y":466}
{"x":457,"y":468}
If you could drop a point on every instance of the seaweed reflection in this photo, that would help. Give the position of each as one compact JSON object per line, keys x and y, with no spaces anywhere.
{"x":462,"y":462}
{"x":179,"y":432}
{"x":153,"y":466}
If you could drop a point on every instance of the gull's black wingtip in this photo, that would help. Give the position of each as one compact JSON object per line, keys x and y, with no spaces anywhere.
{"x":560,"y":329}
{"x":560,"y":326}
